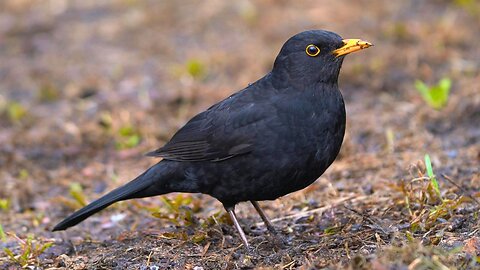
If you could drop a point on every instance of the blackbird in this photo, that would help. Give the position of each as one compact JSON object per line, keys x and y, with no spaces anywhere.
{"x":276,"y":136}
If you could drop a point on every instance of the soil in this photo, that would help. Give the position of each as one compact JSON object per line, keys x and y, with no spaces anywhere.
{"x":88,"y":87}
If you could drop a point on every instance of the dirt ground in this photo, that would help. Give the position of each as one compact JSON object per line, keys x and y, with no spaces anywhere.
{"x":87,"y":87}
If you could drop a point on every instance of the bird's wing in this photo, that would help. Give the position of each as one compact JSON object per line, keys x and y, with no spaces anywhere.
{"x":219,"y":133}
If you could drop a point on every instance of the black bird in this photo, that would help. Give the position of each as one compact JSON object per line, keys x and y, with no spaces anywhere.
{"x":276,"y":136}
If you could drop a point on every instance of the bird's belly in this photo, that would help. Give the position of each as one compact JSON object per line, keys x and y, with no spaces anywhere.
{"x":269,"y":175}
{"x":292,"y":150}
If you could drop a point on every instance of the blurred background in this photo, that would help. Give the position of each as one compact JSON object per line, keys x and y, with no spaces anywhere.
{"x":87,"y":87}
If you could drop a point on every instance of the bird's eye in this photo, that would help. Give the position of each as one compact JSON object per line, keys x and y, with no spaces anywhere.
{"x":312,"y":50}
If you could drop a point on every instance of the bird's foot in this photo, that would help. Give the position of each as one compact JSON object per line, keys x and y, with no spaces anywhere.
{"x":271,"y":229}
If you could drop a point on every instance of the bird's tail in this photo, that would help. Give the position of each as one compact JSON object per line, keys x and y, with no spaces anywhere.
{"x":145,"y":185}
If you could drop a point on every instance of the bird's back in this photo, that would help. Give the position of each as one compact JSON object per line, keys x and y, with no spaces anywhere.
{"x":291,"y":137}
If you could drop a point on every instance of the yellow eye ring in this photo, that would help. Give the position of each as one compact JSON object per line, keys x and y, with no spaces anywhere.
{"x":312,"y":50}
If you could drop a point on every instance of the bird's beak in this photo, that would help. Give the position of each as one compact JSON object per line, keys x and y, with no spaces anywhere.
{"x":351,"y":45}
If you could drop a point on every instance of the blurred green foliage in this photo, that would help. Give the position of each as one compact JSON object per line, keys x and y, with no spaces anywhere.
{"x":23,"y":174}
{"x":178,"y":211}
{"x":16,"y":111}
{"x":471,"y":6}
{"x":76,"y":191}
{"x":248,"y":12}
{"x":48,"y":93}
{"x":196,"y":69}
{"x":3,"y":237}
{"x":4,"y":204}
{"x":105,"y":121}
{"x":332,"y":230}
{"x":127,"y":137}
{"x":435,"y":96}
{"x":431,"y":175}
{"x":30,"y":250}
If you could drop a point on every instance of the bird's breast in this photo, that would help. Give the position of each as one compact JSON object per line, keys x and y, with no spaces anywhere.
{"x":310,"y":137}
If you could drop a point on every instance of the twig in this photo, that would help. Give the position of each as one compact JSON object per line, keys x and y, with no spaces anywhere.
{"x":369,"y":219}
{"x":149,"y":257}
{"x":464,"y":191}
{"x":316,"y":210}
{"x":289,"y":265}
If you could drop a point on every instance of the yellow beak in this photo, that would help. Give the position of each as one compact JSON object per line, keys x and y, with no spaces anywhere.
{"x":351,"y":45}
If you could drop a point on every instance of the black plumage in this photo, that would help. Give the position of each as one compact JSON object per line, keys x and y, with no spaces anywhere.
{"x":276,"y":136}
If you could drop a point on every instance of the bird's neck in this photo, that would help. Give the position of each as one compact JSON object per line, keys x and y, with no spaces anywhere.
{"x":282,"y":81}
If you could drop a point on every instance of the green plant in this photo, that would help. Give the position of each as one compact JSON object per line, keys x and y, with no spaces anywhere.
{"x":128,"y":137}
{"x":435,"y":96}
{"x":332,"y":230}
{"x":177,"y":210}
{"x":16,"y":111}
{"x":76,"y":191}
{"x":471,"y":6}
{"x":180,"y":211}
{"x":105,"y":121}
{"x":48,"y":93}
{"x":23,"y":174}
{"x":196,"y":69}
{"x":423,"y":200}
{"x":3,"y":237}
{"x":4,"y":204}
{"x":431,"y":175}
{"x":29,"y":249}
{"x":77,"y":198}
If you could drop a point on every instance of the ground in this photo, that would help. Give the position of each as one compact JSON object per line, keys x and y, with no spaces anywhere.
{"x":87,"y":87}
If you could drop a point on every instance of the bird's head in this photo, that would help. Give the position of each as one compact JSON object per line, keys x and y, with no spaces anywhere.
{"x":314,"y":56}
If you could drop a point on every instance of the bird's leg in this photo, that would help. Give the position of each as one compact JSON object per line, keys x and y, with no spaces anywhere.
{"x":264,"y":217}
{"x":231,"y":212}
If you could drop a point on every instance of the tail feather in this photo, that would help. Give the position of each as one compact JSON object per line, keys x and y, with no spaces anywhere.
{"x":133,"y":189}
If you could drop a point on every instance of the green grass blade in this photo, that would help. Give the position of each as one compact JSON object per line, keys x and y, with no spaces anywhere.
{"x":44,"y":247}
{"x":76,"y":191}
{"x":431,"y":175}
{"x":435,"y":96}
{"x":422,"y":88}
{"x":11,"y":255}
{"x":445,"y":84}
{"x":3,"y":237}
